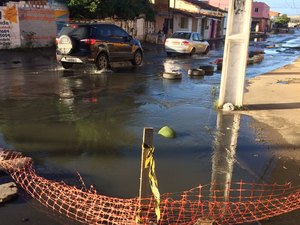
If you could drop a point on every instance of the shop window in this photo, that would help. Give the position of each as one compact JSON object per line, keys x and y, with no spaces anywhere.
{"x":184,"y":22}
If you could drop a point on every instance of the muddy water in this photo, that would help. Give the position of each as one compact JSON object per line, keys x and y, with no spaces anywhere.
{"x":90,"y":122}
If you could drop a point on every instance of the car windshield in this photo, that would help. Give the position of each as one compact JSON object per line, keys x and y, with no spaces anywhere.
{"x":182,"y":35}
{"x":75,"y":31}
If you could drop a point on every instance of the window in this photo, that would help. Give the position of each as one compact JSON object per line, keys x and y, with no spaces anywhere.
{"x":182,"y":35}
{"x":75,"y":31}
{"x":184,"y":22}
{"x":103,"y":31}
{"x":256,"y":10}
{"x":200,"y":37}
{"x":196,"y":37}
{"x":118,"y":32}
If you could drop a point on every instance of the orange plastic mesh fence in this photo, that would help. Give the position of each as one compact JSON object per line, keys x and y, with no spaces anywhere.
{"x":230,"y":203}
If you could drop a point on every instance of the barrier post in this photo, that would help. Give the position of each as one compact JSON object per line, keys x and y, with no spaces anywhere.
{"x":144,"y":190}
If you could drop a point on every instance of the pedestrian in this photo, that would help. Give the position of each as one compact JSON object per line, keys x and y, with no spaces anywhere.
{"x":160,"y":37}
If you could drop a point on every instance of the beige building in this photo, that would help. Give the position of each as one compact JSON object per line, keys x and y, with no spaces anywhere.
{"x":191,"y":15}
{"x":295,"y":21}
{"x":199,"y":16}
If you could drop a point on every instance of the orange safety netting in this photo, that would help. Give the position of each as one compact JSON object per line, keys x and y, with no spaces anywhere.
{"x":230,"y":203}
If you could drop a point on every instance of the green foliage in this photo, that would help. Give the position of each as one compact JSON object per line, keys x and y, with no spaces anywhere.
{"x":282,"y":21}
{"x":99,"y":9}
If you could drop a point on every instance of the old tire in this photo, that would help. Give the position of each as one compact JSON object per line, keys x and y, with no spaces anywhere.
{"x":209,"y":69}
{"x":196,"y":72}
{"x":250,"y":61}
{"x":258,"y":58}
{"x":172,"y":75}
{"x":137,"y":58}
{"x":102,"y":62}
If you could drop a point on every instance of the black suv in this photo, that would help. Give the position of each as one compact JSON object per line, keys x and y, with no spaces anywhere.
{"x":96,"y":43}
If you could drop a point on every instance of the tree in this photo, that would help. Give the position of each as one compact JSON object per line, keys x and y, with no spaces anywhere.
{"x":87,"y":9}
{"x":99,"y":9}
{"x":282,"y":21}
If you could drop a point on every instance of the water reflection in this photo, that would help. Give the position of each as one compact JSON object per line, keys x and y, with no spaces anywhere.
{"x":258,"y":39}
{"x":82,"y":113}
{"x":224,"y":146}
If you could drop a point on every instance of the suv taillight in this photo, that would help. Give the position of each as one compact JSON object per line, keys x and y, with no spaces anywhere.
{"x":56,"y":41}
{"x":88,"y":41}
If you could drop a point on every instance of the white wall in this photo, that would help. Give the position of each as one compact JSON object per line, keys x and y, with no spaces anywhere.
{"x":24,"y":24}
{"x":37,"y":27}
{"x":185,"y":6}
{"x":177,"y":23}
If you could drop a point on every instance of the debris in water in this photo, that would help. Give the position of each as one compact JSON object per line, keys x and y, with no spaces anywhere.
{"x":167,"y":132}
{"x":228,"y":107}
{"x":284,"y":167}
{"x":8,"y":191}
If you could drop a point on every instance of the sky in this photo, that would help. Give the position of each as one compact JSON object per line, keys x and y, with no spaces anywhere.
{"x":289,"y":7}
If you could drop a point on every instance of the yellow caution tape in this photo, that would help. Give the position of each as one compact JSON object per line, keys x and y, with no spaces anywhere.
{"x":138,"y":218}
{"x":150,"y":162}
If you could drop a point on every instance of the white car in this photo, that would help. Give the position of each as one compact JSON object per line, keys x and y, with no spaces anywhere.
{"x":186,"y":42}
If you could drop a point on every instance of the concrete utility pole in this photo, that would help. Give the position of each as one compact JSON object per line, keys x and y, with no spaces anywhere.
{"x":235,"y":52}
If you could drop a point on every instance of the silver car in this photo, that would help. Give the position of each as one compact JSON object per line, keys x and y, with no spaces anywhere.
{"x":186,"y":42}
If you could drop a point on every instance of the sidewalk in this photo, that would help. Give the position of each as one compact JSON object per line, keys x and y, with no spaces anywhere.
{"x":273,"y":100}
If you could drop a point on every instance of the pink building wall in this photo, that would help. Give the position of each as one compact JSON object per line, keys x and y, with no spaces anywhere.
{"x":260,"y":13}
{"x":222,"y":4}
{"x":260,"y":10}
{"x":263,"y":8}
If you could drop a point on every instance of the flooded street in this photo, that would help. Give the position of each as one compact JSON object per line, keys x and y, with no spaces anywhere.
{"x":81,"y":120}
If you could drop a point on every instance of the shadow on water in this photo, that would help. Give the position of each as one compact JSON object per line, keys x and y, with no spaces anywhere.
{"x":261,"y":163}
{"x":224,"y":154}
{"x":228,"y":165}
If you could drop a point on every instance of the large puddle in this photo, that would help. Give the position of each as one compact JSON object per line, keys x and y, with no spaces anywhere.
{"x":90,"y":122}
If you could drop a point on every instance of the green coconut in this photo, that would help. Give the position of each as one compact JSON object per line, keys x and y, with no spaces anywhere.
{"x":167,"y":132}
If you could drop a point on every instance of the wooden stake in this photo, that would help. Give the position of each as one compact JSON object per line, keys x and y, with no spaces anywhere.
{"x":144,"y":190}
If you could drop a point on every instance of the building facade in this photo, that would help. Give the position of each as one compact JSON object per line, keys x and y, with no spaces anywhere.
{"x":222,"y":4}
{"x":260,"y":14}
{"x":294,"y":22}
{"x":260,"y":17}
{"x":189,"y":15}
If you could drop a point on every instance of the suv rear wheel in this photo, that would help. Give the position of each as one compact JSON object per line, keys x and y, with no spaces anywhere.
{"x":102,"y":61}
{"x":137,"y":58}
{"x":66,"y":65}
